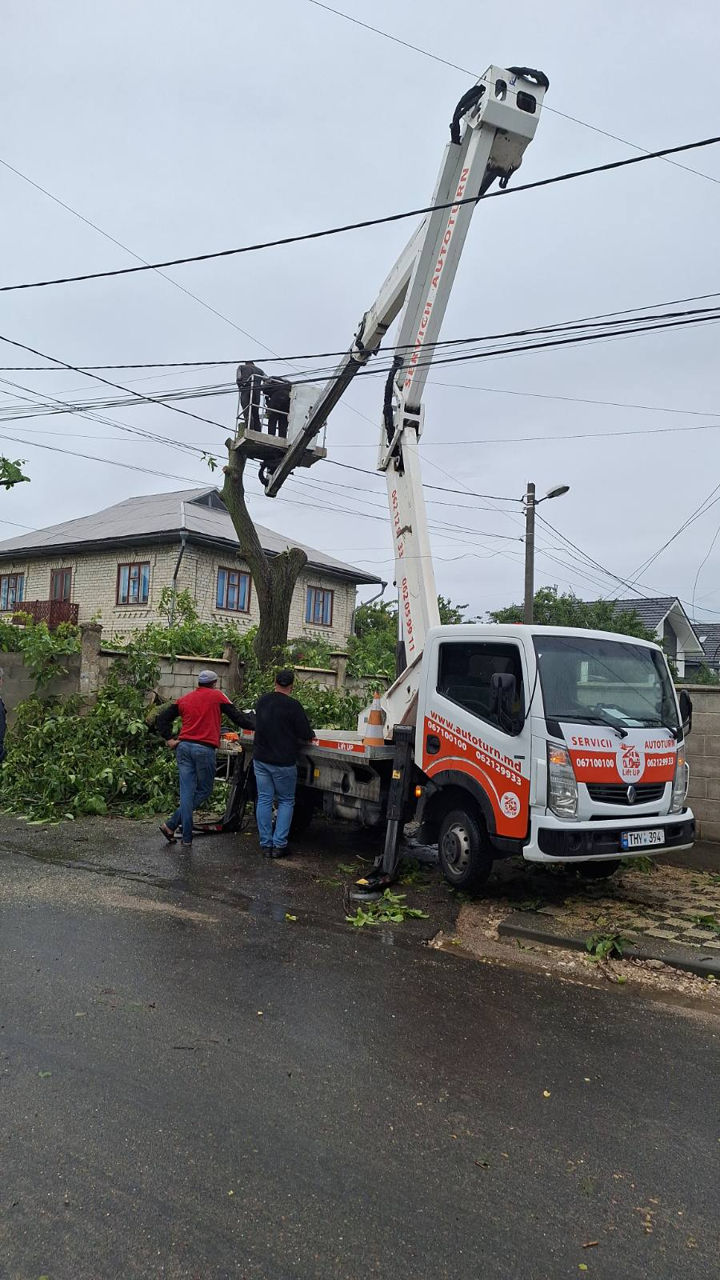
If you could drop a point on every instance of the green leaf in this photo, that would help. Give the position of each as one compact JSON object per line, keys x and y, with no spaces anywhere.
{"x":44,"y":1075}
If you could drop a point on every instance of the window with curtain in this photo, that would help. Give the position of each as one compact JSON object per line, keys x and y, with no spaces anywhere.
{"x":133,"y":583}
{"x":319,"y":607}
{"x":12,"y":590}
{"x":233,"y":591}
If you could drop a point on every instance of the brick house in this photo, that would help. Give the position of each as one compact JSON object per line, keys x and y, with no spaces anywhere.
{"x":114,"y":565}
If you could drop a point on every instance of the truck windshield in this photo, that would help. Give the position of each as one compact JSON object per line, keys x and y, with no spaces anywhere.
{"x":611,"y":682}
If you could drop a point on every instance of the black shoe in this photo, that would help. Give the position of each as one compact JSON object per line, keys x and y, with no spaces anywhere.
{"x":280,"y":853}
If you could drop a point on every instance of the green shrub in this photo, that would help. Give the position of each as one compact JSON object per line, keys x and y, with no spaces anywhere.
{"x":64,"y":759}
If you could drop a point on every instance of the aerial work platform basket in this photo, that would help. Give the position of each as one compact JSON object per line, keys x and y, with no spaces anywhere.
{"x":268,"y":449}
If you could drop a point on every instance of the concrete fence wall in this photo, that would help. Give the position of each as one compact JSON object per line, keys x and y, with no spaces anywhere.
{"x":703,"y":748}
{"x":88,"y":670}
{"x":18,"y":684}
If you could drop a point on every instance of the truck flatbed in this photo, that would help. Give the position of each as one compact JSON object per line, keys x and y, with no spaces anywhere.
{"x":329,"y":743}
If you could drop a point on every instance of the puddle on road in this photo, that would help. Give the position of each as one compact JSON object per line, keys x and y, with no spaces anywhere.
{"x":195,"y":884}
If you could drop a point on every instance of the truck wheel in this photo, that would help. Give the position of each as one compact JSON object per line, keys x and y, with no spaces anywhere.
{"x":465,"y":857}
{"x":598,"y":870}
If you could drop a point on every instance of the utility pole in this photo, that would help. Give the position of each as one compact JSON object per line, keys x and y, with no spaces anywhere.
{"x":531,"y":502}
{"x":529,"y":552}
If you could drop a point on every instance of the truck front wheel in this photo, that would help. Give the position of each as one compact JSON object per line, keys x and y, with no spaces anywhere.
{"x":465,"y":857}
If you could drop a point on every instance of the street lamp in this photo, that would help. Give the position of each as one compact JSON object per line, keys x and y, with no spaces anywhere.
{"x":531,"y":502}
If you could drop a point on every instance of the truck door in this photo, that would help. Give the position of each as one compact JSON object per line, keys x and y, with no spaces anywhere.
{"x":472,"y":737}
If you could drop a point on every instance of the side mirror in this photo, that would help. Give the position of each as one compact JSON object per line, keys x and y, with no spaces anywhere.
{"x":503,"y":691}
{"x":686,"y":709}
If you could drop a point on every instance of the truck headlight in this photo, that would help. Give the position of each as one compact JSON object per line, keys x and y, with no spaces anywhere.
{"x":680,"y":782}
{"x":562,"y":785}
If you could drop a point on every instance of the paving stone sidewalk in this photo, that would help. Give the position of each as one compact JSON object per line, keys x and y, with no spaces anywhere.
{"x":667,"y":912}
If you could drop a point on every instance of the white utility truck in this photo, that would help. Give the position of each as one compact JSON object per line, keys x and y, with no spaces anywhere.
{"x":556,"y":744}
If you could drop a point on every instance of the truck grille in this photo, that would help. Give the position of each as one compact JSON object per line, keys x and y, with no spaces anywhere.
{"x":617,"y":793}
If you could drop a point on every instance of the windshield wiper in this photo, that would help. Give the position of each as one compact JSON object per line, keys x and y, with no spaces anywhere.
{"x":619,"y":728}
{"x":573,"y":718}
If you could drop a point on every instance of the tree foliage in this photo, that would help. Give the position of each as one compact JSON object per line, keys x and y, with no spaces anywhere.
{"x":555,"y":609}
{"x":11,"y":473}
{"x":65,"y":759}
{"x":372,"y":648}
{"x":44,"y":651}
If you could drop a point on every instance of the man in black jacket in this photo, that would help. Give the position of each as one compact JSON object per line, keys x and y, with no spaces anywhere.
{"x":281,"y":726}
{"x":249,"y":378}
{"x":277,"y":402}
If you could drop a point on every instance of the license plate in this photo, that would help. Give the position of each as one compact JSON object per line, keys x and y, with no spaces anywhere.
{"x":641,"y":839}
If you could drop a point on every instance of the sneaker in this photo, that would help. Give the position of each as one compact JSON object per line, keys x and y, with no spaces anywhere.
{"x":185,"y":846}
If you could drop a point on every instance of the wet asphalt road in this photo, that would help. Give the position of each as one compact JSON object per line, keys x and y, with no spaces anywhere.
{"x":189,"y":1089}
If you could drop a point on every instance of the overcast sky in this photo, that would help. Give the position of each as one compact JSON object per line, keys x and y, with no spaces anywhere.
{"x":179,"y":128}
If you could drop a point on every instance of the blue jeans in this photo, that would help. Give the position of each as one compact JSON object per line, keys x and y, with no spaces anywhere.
{"x":196,"y":766}
{"x":274,"y":782}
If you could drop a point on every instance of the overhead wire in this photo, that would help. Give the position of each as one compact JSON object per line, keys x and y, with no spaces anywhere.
{"x":137,"y":395}
{"x":339,"y":13}
{"x":390,"y":347}
{"x":645,"y":324}
{"x":94,"y":416}
{"x":365,"y":223}
{"x":126,"y":249}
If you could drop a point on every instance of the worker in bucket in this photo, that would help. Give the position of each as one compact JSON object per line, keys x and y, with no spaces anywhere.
{"x":200,"y":712}
{"x":249,"y":378}
{"x":277,"y":402}
{"x":281,"y":727}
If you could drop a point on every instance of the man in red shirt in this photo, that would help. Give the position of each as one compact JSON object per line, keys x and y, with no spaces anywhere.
{"x":200,"y":712}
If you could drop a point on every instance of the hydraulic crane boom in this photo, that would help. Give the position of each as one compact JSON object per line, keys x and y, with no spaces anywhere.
{"x":491,"y":127}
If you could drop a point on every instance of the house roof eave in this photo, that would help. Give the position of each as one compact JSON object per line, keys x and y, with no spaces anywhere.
{"x":172,"y":536}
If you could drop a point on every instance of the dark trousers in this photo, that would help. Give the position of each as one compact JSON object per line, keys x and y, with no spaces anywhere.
{"x":196,"y":767}
{"x":278,"y":408}
{"x":250,"y":403}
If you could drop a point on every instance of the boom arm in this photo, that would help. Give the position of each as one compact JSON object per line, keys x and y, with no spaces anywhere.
{"x":500,"y":115}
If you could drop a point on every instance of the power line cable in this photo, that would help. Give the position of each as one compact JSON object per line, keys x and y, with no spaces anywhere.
{"x":699,"y":511}
{"x":366,"y":222}
{"x":126,"y":249}
{"x":111,"y":462}
{"x":633,"y":585}
{"x":679,"y":319}
{"x":701,"y":566}
{"x":111,"y":422}
{"x":137,"y":395}
{"x":651,"y":307}
{"x":456,"y":67}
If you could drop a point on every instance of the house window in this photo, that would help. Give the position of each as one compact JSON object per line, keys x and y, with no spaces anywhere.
{"x":319,"y":607}
{"x":133,"y":583}
{"x":60,"y":584}
{"x":12,"y":590}
{"x":233,"y":590}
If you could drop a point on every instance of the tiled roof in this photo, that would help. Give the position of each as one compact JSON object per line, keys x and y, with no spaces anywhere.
{"x":708,"y":633}
{"x":200,"y":513}
{"x":650,"y":612}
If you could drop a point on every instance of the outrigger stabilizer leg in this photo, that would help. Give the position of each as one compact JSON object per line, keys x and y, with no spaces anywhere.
{"x":385,"y":870}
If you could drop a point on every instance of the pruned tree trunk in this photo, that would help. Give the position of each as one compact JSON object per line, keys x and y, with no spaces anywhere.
{"x":274,"y":577}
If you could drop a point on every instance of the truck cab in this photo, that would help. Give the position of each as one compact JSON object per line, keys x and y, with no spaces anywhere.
{"x":562,"y":745}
